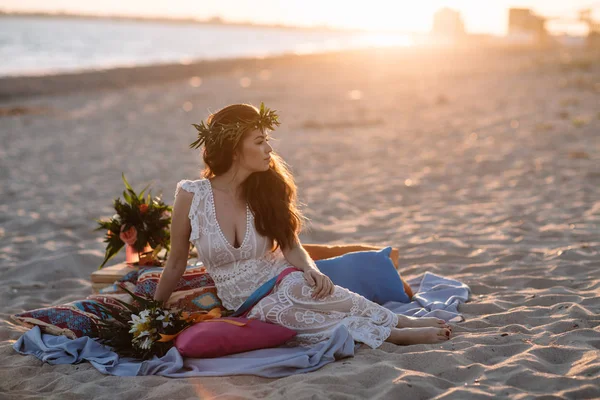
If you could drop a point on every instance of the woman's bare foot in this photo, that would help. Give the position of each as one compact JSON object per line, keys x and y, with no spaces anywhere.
{"x":426,"y":335}
{"x":412,"y":322}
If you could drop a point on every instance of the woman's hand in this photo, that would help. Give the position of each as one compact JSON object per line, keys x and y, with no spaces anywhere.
{"x":298,"y":257}
{"x":323,"y":286}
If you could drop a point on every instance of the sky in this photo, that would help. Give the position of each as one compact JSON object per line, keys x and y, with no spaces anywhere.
{"x":479,"y":16}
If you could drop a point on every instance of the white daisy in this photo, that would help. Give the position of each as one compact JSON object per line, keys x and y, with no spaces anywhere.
{"x":167,"y":317}
{"x":142,"y":334}
{"x":136,"y":323}
{"x":146,"y":343}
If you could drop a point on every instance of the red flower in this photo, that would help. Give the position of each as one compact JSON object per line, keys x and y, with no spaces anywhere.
{"x":129,"y":236}
{"x":143,"y":208}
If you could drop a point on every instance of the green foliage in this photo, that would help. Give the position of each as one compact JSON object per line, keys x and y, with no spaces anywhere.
{"x":150,"y":217}
{"x":115,"y":330}
{"x":266,"y":121}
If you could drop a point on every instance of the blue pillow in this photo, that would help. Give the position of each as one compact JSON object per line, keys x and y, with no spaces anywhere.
{"x":368,"y":273}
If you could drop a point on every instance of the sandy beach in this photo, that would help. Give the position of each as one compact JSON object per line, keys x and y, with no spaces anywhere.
{"x":482,"y":165}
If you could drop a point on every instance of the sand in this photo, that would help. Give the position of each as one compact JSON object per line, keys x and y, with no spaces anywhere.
{"x":480,"y":165}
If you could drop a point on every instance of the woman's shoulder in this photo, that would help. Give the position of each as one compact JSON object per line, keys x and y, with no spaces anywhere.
{"x":198,"y":186}
{"x":198,"y":190}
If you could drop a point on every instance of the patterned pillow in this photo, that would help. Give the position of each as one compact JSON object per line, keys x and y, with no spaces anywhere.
{"x":116,"y":288}
{"x":73,"y":320}
{"x":199,"y":299}
{"x":128,"y":280}
{"x":195,"y":291}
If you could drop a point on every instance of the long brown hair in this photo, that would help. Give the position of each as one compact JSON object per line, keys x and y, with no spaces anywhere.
{"x":270,"y":194}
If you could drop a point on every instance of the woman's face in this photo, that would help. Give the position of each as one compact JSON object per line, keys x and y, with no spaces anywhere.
{"x":255,"y":151}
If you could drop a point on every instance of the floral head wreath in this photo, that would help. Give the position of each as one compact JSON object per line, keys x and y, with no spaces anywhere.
{"x":266,"y":120}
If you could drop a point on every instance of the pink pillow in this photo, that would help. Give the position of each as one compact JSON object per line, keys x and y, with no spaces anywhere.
{"x":216,"y":339}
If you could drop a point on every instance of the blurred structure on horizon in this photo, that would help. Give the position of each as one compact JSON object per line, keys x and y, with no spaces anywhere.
{"x":448,"y":26}
{"x":524,"y":27}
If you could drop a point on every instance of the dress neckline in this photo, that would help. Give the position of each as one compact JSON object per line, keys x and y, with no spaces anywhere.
{"x":214,"y":209}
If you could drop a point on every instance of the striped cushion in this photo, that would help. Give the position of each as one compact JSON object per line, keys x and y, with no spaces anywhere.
{"x":195,"y":291}
{"x":74,"y":319}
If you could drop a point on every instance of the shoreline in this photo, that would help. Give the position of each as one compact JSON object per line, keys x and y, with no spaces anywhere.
{"x":217,"y":21}
{"x":14,"y":87}
{"x":114,"y":78}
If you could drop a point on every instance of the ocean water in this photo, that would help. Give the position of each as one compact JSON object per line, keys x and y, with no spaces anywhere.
{"x":38,"y":45}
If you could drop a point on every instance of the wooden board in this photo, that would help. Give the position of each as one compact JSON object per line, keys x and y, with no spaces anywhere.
{"x":110,"y":274}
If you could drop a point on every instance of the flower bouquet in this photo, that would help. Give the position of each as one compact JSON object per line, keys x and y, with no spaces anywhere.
{"x":145,"y":328}
{"x":141,"y":223}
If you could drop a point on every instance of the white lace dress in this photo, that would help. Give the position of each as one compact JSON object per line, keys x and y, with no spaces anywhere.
{"x":238,"y":272}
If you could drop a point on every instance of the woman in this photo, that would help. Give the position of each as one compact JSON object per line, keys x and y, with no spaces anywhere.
{"x":243,"y":220}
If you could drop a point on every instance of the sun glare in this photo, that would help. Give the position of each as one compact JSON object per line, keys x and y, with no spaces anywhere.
{"x":386,"y":40}
{"x":383,"y":15}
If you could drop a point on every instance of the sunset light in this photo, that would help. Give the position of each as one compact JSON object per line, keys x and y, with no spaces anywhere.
{"x":325,"y":199}
{"x":479,"y":16}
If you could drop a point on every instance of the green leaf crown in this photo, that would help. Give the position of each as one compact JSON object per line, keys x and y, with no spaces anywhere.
{"x":266,"y":120}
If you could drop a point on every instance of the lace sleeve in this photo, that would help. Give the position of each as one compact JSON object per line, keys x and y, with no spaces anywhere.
{"x":192,"y":187}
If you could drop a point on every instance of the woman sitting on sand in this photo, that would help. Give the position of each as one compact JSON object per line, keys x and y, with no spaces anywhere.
{"x":243,"y":220}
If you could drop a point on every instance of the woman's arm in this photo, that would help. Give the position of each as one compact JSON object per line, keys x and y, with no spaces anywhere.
{"x":180,"y":246}
{"x":299,"y":258}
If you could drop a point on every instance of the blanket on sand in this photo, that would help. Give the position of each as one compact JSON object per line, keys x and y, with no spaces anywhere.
{"x":437,"y":296}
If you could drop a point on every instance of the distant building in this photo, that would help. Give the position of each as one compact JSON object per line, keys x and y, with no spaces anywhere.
{"x":526,"y":27}
{"x":448,"y":23}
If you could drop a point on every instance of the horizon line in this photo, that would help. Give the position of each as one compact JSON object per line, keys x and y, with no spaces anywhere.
{"x":214,"y":20}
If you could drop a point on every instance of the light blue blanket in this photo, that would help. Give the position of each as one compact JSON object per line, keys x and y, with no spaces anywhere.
{"x":437,"y":296}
